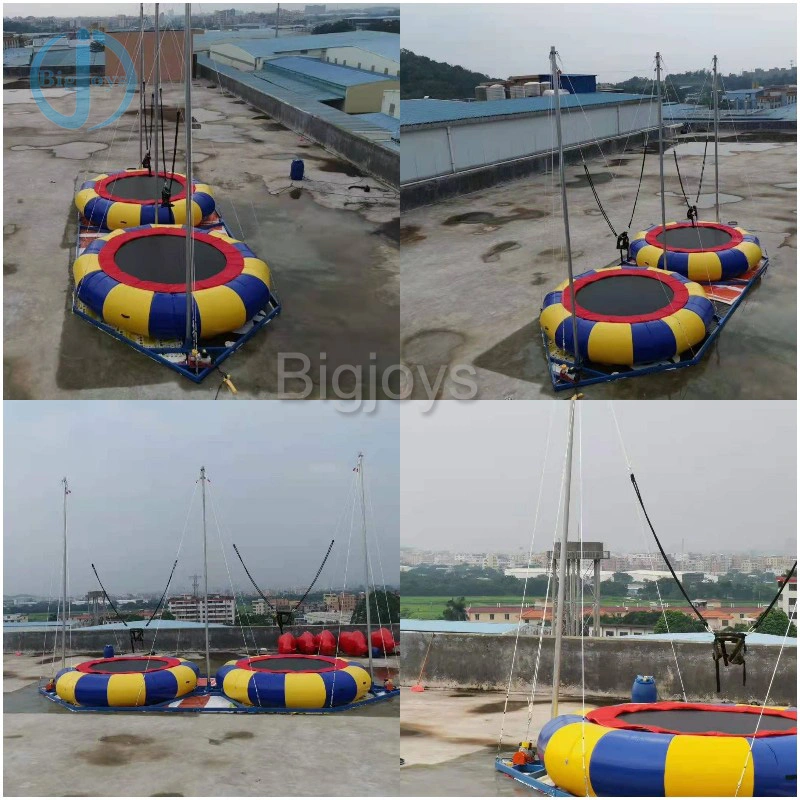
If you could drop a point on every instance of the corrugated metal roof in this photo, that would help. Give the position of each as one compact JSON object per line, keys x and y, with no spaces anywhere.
{"x":445,"y":626}
{"x":425,"y":112}
{"x":280,"y":79}
{"x":17,"y":56}
{"x":330,"y":73}
{"x":391,"y":124}
{"x":688,"y":112}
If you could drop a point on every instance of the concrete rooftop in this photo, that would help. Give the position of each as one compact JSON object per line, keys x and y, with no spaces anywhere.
{"x":332,"y":249}
{"x":474,"y":271}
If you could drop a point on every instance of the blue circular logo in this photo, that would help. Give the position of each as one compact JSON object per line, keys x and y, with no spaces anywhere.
{"x":82,"y":81}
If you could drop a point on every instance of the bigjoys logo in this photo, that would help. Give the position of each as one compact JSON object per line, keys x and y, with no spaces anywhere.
{"x":82,"y":81}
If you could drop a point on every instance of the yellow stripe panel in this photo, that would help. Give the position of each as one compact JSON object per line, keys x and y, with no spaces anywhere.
{"x":752,"y":252}
{"x":65,"y":686}
{"x":83,"y":197}
{"x":695,"y":289}
{"x":704,"y":267}
{"x":648,"y":256}
{"x":224,"y":236}
{"x":258,"y":269}
{"x":687,"y":328}
{"x":126,"y":690}
{"x":708,"y":766}
{"x":128,"y":308}
{"x":611,"y":343}
{"x":187,"y":680}
{"x":361,"y":677}
{"x":569,"y":749}
{"x":124,"y":215}
{"x":551,"y":318}
{"x":203,"y":187}
{"x":221,"y":310}
{"x":235,"y":683}
{"x":179,"y":211}
{"x":304,"y":690}
{"x":84,"y":265}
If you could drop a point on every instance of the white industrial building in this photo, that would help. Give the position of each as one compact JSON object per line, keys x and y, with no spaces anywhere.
{"x":788,"y":599}
{"x":444,"y":137}
{"x":187,"y":607}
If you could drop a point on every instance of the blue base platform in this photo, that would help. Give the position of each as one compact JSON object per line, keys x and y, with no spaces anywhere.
{"x":531,"y":775}
{"x":589,"y":373}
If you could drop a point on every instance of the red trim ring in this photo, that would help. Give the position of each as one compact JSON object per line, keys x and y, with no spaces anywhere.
{"x":102,"y":191}
{"x":252,"y":664}
{"x":609,"y":718}
{"x":234,"y":260}
{"x":679,"y":299}
{"x":736,"y":237}
{"x":162,"y":662}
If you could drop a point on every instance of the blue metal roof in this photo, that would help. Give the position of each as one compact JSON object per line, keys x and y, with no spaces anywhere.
{"x":680,"y":112}
{"x":329,"y":73}
{"x":391,"y":124}
{"x":17,"y":56}
{"x":279,"y":78}
{"x":386,"y":44}
{"x":445,"y":626}
{"x":426,"y":112}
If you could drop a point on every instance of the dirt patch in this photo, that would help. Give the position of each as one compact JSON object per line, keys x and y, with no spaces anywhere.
{"x":233,"y":735}
{"x":127,"y":739}
{"x":9,"y":229}
{"x":407,"y":729}
{"x":581,"y":180}
{"x":389,"y":230}
{"x":493,"y":253}
{"x":9,"y":268}
{"x":336,"y":165}
{"x":538,"y":278}
{"x":294,"y":194}
{"x":558,"y":253}
{"x":499,"y":705}
{"x":410,"y":234}
{"x":122,"y":749}
{"x":12,"y":735}
{"x":488,"y":218}
{"x":789,"y":240}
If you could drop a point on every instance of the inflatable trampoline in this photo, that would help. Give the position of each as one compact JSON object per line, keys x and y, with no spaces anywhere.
{"x":127,"y":200}
{"x":293,"y":681}
{"x":705,"y":251}
{"x":135,"y":280}
{"x":627,"y":315}
{"x":126,"y":681}
{"x":673,"y":750}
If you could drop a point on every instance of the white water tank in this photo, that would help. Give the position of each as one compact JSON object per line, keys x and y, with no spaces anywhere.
{"x":550,"y":92}
{"x":496,"y":92}
{"x":517,"y":91}
{"x":532,"y":88}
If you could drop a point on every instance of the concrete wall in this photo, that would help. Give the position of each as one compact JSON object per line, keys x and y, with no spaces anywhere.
{"x":227,"y":639}
{"x":368,"y":156}
{"x":390,"y":105}
{"x":471,"y":661}
{"x":463,"y":145}
{"x":367,"y":98}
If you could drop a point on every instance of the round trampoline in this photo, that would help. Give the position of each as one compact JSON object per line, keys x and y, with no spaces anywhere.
{"x":627,"y":315}
{"x":673,"y":750}
{"x":705,"y":251}
{"x":134,"y":280}
{"x":127,"y":199}
{"x":293,"y":681}
{"x":126,"y":681}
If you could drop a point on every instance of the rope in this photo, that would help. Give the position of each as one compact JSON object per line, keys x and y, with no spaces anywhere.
{"x":425,"y":661}
{"x":680,"y":180}
{"x":702,"y":172}
{"x":110,"y":601}
{"x":597,"y":197}
{"x":321,"y":566}
{"x":641,"y":176}
{"x":166,"y":589}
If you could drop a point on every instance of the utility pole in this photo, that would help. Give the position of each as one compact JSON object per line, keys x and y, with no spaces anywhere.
{"x":661,"y":155}
{"x":366,"y":562}
{"x":64,"y":584}
{"x":277,"y":19}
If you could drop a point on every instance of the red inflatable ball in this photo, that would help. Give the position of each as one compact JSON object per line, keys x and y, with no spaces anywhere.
{"x":287,"y":644}
{"x":305,"y":644}
{"x":384,"y":641}
{"x":353,"y":643}
{"x":326,"y":644}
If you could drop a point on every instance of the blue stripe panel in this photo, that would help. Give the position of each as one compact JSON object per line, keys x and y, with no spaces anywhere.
{"x":205,"y":201}
{"x":194,"y":668}
{"x":636,"y":246}
{"x":676,"y":262}
{"x":748,"y":237}
{"x":92,"y":690}
{"x":88,"y":185}
{"x":148,"y":215}
{"x":551,"y":298}
{"x":95,"y":247}
{"x":221,"y":673}
{"x":549,"y":728}
{"x":563,"y":335}
{"x":160,"y":686}
{"x":701,"y":306}
{"x":94,"y":289}
{"x":244,"y":250}
{"x":168,"y":316}
{"x":629,"y":764}
{"x":253,"y":292}
{"x":775,"y":766}
{"x":96,"y":210}
{"x":266,"y":689}
{"x":734,"y":262}
{"x":652,"y":341}
{"x":62,"y":672}
{"x":340,"y":688}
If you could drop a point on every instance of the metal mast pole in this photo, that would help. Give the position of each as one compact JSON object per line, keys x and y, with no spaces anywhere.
{"x":141,"y":83}
{"x":277,"y":19}
{"x":156,"y":110}
{"x":716,"y":141}
{"x":661,"y":155}
{"x":187,"y":122}
{"x":557,"y":96}
{"x":64,"y":584}
{"x":366,"y":562}
{"x":203,"y":480}
{"x":562,"y":564}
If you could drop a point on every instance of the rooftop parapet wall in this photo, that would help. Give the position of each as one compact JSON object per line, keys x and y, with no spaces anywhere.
{"x":469,"y":661}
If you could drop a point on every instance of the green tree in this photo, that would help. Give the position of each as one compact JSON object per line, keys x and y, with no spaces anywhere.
{"x":380,"y":604}
{"x":340,"y":26}
{"x":678,"y":623}
{"x":167,"y":615}
{"x":455,"y":609}
{"x":776,"y":623}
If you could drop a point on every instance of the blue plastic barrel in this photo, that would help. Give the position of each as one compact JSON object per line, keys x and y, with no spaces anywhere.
{"x":297,"y":169}
{"x":644,"y":690}
{"x":108,"y":651}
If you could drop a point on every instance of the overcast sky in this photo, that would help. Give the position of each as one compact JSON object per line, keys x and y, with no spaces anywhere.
{"x":615,"y":41}
{"x":722,"y":476}
{"x":132,"y":9}
{"x":281,"y":477}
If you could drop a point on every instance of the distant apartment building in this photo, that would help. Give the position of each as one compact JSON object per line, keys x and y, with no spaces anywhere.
{"x":788,"y":598}
{"x":344,"y":602}
{"x":15,"y":617}
{"x":188,"y":608}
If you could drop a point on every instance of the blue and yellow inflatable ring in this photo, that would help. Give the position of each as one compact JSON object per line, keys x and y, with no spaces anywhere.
{"x":673,"y":750}
{"x":293,"y":681}
{"x":705,"y":251}
{"x":127,"y":199}
{"x":135,"y":280}
{"x":627,"y":315}
{"x":126,"y":681}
